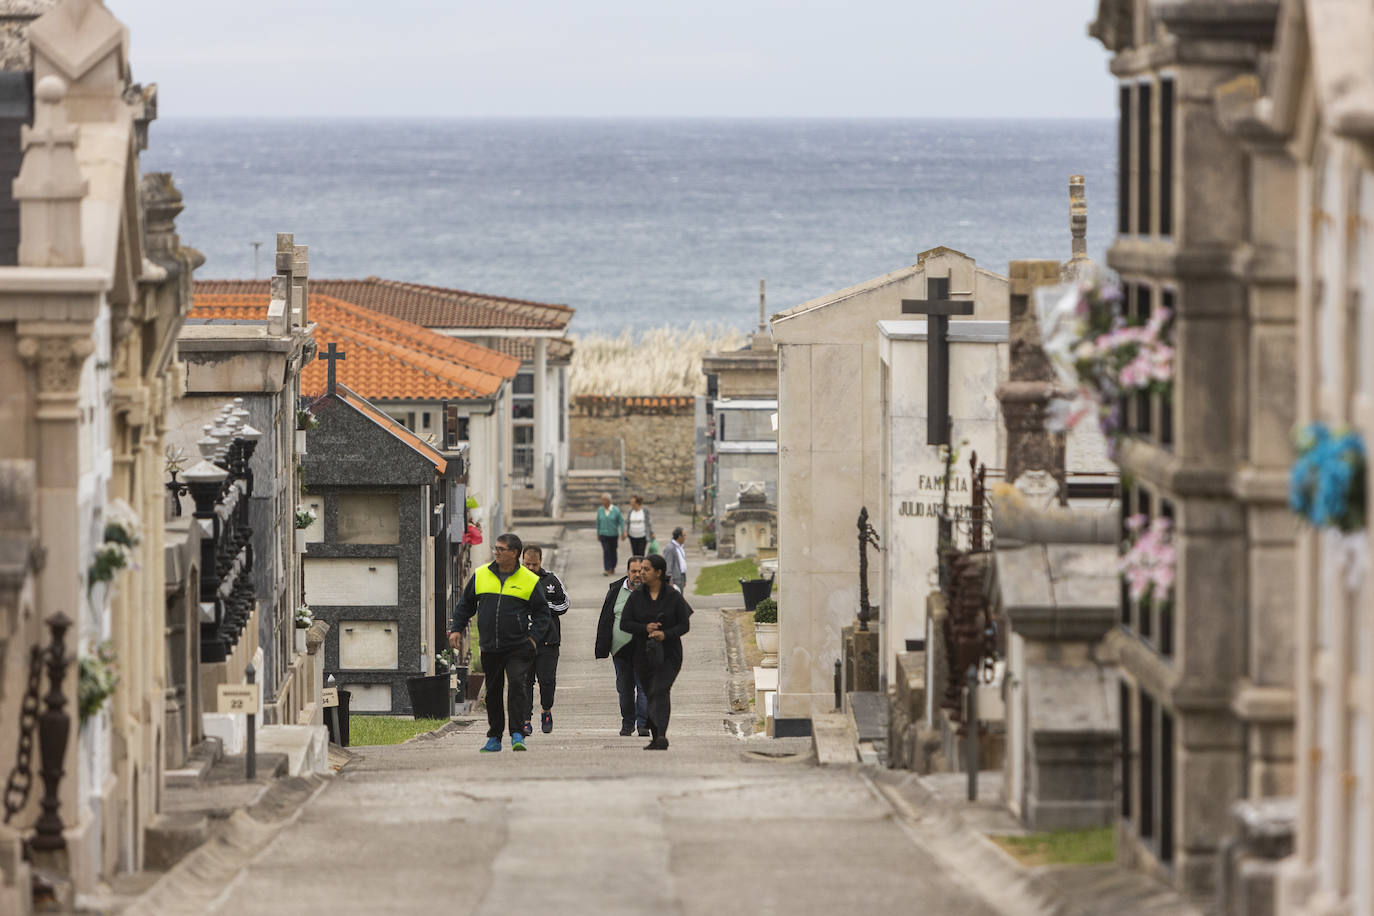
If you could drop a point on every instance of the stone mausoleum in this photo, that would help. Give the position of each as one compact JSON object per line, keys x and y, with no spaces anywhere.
{"x":740,"y":458}
{"x":377,"y":563}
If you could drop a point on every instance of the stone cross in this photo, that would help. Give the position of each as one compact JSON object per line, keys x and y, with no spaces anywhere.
{"x":332,"y":355}
{"x":938,"y":307}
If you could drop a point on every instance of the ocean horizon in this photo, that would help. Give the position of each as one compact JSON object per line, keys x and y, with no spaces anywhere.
{"x":635,"y":222}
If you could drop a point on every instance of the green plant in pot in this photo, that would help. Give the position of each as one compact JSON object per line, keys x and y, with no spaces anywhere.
{"x":766,"y":631}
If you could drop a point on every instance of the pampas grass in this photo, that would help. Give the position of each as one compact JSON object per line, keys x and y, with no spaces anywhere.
{"x":662,"y":361}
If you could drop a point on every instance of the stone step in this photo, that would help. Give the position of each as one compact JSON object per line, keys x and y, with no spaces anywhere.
{"x":306,"y":747}
{"x":169,"y":837}
{"x":198,"y":764}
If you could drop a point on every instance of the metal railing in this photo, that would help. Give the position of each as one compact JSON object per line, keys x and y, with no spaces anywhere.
{"x":969,"y":628}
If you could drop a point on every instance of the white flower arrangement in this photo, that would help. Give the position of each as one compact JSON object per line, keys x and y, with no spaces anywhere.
{"x":123,"y":532}
{"x":305,"y":517}
{"x":304,"y":618}
{"x":122,"y":524}
{"x":97,"y":678}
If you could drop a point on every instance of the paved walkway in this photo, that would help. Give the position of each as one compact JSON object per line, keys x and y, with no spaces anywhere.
{"x":588,"y":822}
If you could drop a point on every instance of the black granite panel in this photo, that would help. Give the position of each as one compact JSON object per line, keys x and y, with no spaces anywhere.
{"x":348,"y":452}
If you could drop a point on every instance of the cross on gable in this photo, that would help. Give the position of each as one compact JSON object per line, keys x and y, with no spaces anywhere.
{"x":331,"y":356}
{"x":938,"y":307}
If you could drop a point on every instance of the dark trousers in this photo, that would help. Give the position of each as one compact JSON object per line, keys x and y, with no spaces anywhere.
{"x":658,"y":684}
{"x":634,"y":704}
{"x":512,"y":666}
{"x":545,"y":668}
{"x":609,"y":557}
{"x":637,"y":546}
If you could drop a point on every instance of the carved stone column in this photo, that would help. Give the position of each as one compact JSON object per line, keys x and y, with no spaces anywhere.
{"x":1027,"y":394}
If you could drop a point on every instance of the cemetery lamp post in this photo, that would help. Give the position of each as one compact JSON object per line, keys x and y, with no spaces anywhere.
{"x":866,"y":536}
{"x":205,"y":481}
{"x":250,"y":438}
{"x":54,"y":729}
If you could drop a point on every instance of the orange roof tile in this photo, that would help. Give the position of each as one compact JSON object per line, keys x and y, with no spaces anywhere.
{"x":666,"y":400}
{"x":427,"y":306}
{"x":386,"y":358}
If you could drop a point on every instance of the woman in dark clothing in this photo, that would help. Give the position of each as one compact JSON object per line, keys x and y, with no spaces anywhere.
{"x":657,"y":616}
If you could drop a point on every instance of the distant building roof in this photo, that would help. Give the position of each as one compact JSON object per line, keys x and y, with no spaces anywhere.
{"x":427,"y":306}
{"x":387,"y":359}
{"x":522,"y":348}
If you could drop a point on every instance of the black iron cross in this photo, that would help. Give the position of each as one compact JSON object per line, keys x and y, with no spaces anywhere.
{"x":938,"y":307}
{"x":332,"y":355}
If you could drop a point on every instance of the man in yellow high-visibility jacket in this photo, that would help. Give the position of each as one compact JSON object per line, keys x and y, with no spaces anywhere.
{"x":512,"y":619}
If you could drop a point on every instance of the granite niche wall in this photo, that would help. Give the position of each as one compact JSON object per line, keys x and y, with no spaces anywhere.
{"x":659,"y":434}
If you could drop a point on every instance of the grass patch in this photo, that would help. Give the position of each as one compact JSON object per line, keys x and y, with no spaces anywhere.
{"x":723,"y":578}
{"x":475,"y":667}
{"x":753,"y":656}
{"x":374,"y":730}
{"x":1062,"y":847}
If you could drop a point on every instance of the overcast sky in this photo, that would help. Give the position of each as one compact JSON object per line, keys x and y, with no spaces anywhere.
{"x":620,"y":58}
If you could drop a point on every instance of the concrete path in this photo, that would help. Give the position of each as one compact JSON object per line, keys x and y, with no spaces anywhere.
{"x":588,"y":822}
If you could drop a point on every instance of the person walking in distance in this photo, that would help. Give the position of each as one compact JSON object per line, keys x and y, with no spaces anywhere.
{"x":614,"y":642}
{"x":675,"y":554}
{"x":545,"y":666}
{"x":512,"y":620}
{"x":609,"y":524}
{"x":657,"y":617}
{"x":639,"y":528}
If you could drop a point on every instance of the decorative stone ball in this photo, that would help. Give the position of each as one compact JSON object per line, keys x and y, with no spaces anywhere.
{"x":50,"y":89}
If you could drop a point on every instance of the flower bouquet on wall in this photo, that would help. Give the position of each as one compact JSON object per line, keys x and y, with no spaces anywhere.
{"x":1149,"y":559}
{"x":122,"y":533}
{"x":96,"y":679}
{"x":1100,"y":354}
{"x":1327,"y":488}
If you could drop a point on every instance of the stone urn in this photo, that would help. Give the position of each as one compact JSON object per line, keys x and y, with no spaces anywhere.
{"x":301,"y":545}
{"x":300,"y":442}
{"x":766,"y":635}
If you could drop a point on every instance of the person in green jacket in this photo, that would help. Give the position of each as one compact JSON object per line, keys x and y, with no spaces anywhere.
{"x":609,"y":523}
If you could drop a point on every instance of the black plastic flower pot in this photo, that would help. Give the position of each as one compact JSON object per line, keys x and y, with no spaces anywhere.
{"x":429,"y":696}
{"x":755,"y":590}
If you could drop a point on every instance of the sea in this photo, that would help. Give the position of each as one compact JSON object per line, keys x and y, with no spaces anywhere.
{"x":635,"y":223}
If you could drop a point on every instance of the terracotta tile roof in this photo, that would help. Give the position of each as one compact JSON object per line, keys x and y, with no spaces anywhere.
{"x":522,"y":348}
{"x":386,"y":359}
{"x":427,"y":306}
{"x":649,"y":400}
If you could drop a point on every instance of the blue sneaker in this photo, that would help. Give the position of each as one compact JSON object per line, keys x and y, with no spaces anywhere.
{"x":492,"y":746}
{"x":517,"y":742}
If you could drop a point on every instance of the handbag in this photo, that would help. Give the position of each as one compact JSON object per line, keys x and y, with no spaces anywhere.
{"x":653,"y":547}
{"x":653,"y":653}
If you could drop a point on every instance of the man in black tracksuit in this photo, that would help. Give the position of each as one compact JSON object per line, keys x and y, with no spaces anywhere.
{"x":512,"y":620}
{"x":545,"y":666}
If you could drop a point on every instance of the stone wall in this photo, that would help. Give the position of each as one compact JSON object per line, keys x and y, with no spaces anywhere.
{"x":659,"y":440}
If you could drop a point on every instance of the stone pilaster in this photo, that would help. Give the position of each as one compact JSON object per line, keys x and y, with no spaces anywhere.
{"x":1026,"y":395}
{"x":50,"y":186}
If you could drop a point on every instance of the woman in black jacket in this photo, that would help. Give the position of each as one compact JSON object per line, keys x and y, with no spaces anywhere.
{"x":657,"y":616}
